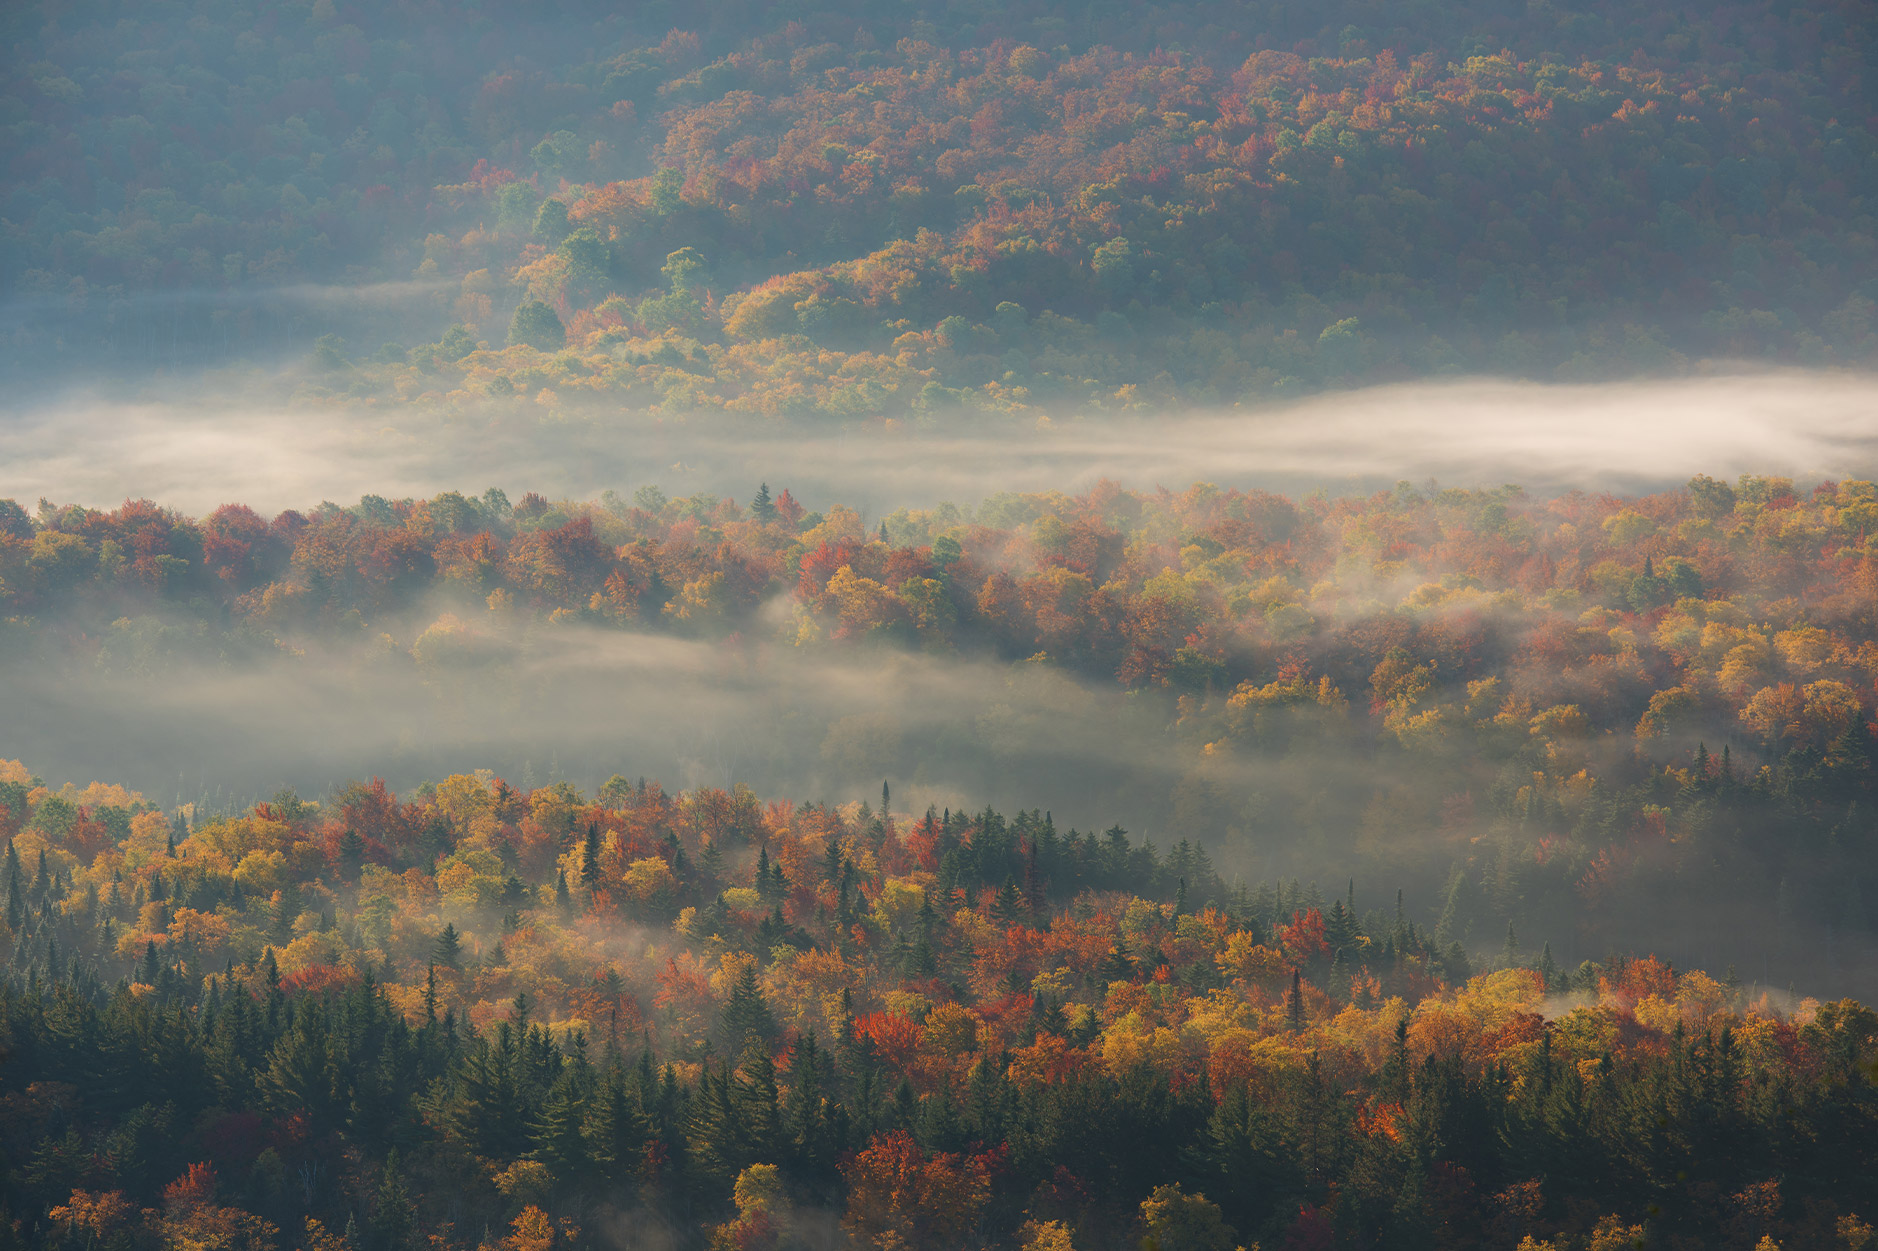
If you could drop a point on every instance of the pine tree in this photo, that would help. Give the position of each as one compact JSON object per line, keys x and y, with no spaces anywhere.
{"x":1008,"y":907}
{"x":486,"y":1110}
{"x":351,"y":855}
{"x":287,"y":909}
{"x":1118,"y":965}
{"x":557,"y":1138}
{"x":616,"y":1128}
{"x":1294,"y":1001}
{"x":759,"y":1100}
{"x":807,"y":1119}
{"x":448,"y":949}
{"x":1035,"y":898}
{"x":590,"y":856}
{"x":16,"y":902}
{"x":393,"y":1220}
{"x":763,"y":508}
{"x":746,"y":1013}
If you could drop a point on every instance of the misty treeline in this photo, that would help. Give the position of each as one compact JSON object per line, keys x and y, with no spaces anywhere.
{"x":827,"y":209}
{"x":536,"y":1019}
{"x":1638,"y":721}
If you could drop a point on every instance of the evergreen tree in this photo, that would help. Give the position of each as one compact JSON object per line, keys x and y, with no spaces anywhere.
{"x":1118,"y":965}
{"x":1008,"y":906}
{"x":746,"y":1013}
{"x":448,"y":948}
{"x":616,"y":1128}
{"x":557,"y":1137}
{"x":351,"y":855}
{"x":393,"y":1216}
{"x":809,"y":1118}
{"x":590,"y":856}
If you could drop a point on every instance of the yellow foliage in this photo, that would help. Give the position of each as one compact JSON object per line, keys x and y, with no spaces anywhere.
{"x":646,"y":878}
{"x":525,"y":1181}
{"x":310,"y":949}
{"x":235,"y":837}
{"x":1493,"y":998}
{"x":951,"y":1030}
{"x":262,"y":872}
{"x":759,"y":1188}
{"x":1612,"y":1234}
{"x":898,"y":903}
{"x":1045,"y":1236}
{"x":1246,"y":958}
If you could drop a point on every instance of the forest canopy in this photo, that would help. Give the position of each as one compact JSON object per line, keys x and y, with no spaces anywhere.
{"x":558,"y":1014}
{"x":1007,"y":694}
{"x":837,"y":212}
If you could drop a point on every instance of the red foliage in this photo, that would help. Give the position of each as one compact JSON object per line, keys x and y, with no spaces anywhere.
{"x":317,"y":979}
{"x":195,"y":1188}
{"x":1304,"y":939}
{"x":894,"y":1038}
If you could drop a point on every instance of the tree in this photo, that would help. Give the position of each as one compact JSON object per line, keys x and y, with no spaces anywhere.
{"x":616,"y":1129}
{"x":537,"y":326}
{"x":1172,"y":1220}
{"x":351,"y":854}
{"x":551,"y":224}
{"x":746,"y":1013}
{"x":558,"y":1133}
{"x":762,"y":507}
{"x":897,"y":1192}
{"x":448,"y":948}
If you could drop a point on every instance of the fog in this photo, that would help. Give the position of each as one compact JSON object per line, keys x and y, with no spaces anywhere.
{"x":194,"y":446}
{"x":542,"y":703}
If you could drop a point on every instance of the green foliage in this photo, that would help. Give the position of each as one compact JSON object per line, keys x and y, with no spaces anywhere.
{"x":537,"y":326}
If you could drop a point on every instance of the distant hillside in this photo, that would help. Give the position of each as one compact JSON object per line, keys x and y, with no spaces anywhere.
{"x":786,"y":210}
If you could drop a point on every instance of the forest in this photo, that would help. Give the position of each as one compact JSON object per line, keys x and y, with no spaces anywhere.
{"x":491,"y":1017}
{"x":1559,"y":714}
{"x":938,"y":625}
{"x":862,"y":213}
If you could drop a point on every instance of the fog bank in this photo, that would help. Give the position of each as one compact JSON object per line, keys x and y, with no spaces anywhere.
{"x":198,"y":448}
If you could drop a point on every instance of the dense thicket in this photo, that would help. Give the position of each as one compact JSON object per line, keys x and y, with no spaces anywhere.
{"x":381,"y":1024}
{"x":828,"y":209}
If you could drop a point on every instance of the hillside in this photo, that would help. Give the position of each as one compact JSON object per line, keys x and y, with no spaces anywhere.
{"x":836,"y":213}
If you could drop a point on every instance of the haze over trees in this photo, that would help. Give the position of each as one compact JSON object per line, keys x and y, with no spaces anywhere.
{"x":1142,"y":860}
{"x":548,"y":1013}
{"x":860,"y":215}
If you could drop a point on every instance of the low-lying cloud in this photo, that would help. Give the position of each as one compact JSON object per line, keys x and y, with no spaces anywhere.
{"x":198,"y":450}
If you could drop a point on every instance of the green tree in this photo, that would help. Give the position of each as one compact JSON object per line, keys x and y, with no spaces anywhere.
{"x":448,"y":948}
{"x":746,"y":1013}
{"x":538,"y":326}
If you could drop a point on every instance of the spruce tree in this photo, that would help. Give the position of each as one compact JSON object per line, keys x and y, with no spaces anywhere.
{"x":448,"y":949}
{"x":616,"y":1128}
{"x":557,"y":1138}
{"x":351,"y":855}
{"x":590,"y":856}
{"x":746,"y":1013}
